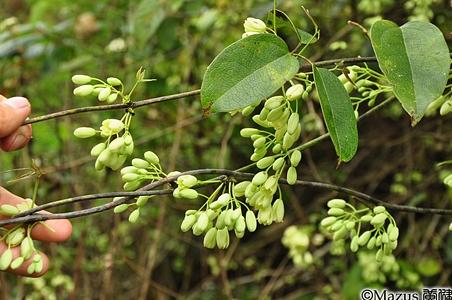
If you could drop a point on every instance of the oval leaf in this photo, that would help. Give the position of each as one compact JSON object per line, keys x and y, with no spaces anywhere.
{"x":415,"y":59}
{"x":337,"y":112}
{"x":247,"y":71}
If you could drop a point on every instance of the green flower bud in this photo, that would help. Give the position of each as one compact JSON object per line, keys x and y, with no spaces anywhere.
{"x":259,"y":143}
{"x":371,"y":243}
{"x":142,"y":200}
{"x":151,"y":157}
{"x":278,"y":164}
{"x":104,"y":93}
{"x":379,"y":255}
{"x":291,"y":175}
{"x":84,"y":132}
{"x":336,"y":203}
{"x":254,"y":25}
{"x":202,"y":222}
{"x":335,"y":211}
{"x":293,"y":122}
{"x":105,"y":156}
{"x":81,"y":79}
{"x":239,"y":234}
{"x":277,"y":148}
{"x":366,"y":218}
{"x":8,"y":210}
{"x":385,"y":238}
{"x":250,"y":190}
{"x":364,"y":238}
{"x":128,"y":169}
{"x":393,"y":234}
{"x":113,"y":81}
{"x":271,"y":183}
{"x":188,"y":222}
{"x":31,"y":269}
{"x":240,"y":224}
{"x":264,"y":216}
{"x":130,"y":177}
{"x":274,"y":102}
{"x":26,"y":248}
{"x":228,"y":221}
{"x":189,"y":194}
{"x":83,"y":90}
{"x":187,"y":181}
{"x":378,"y":219}
{"x":256,"y":156}
{"x":379,"y":209}
{"x":140,"y":163}
{"x":96,"y":150}
{"x":239,"y":189}
{"x":260,"y":178}
{"x":111,"y":98}
{"x":337,"y":225}
{"x":6,"y":259}
{"x":350,"y":225}
{"x":131,"y":186}
{"x":278,"y":211}
{"x":328,"y":221}
{"x":248,"y":110}
{"x":222,"y":238}
{"x":265,"y":162}
{"x":295,"y":158}
{"x":220,"y":220}
{"x":120,"y":208}
{"x":17,"y":262}
{"x":210,"y":238}
{"x":264,"y":113}
{"x":340,"y":234}
{"x":295,"y":92}
{"x":250,"y":220}
{"x":117,"y":144}
{"x":224,"y":199}
{"x":248,"y":132}
{"x":15,"y":237}
{"x":354,"y":244}
{"x":275,"y":114}
{"x":39,"y":266}
{"x":236,"y":214}
{"x":134,"y":215}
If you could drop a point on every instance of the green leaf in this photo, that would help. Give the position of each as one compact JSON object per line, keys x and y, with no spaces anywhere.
{"x":145,"y":20}
{"x":415,"y":59}
{"x":338,"y":113}
{"x":247,"y":71}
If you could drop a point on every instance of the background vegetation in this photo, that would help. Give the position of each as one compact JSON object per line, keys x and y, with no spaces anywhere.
{"x":44,"y":42}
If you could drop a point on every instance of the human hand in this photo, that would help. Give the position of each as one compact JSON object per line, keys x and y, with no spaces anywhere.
{"x":13,"y":136}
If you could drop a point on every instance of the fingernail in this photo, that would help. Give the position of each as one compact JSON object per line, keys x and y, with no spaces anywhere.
{"x":17,"y":102}
{"x":19,"y":141}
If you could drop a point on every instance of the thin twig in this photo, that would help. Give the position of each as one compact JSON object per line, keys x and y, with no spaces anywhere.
{"x":29,"y":217}
{"x":131,"y":105}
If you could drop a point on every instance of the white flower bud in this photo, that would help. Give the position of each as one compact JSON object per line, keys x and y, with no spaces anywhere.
{"x":254,"y":25}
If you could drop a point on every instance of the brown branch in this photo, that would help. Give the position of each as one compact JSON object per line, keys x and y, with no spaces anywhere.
{"x":131,"y":105}
{"x":28,"y":216}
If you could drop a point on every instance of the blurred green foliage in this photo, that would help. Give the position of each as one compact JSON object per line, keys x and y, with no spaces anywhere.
{"x":44,"y":42}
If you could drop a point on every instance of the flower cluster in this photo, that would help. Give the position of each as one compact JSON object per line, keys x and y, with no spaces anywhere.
{"x":296,"y":239}
{"x":118,"y":144}
{"x":19,"y":236}
{"x":345,"y":220}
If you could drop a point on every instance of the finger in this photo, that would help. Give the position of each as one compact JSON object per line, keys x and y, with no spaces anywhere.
{"x":52,"y":231}
{"x":13,"y":112}
{"x":22,"y":270}
{"x":17,"y":139}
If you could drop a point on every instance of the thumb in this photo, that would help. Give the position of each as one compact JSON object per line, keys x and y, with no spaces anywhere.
{"x":13,"y":112}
